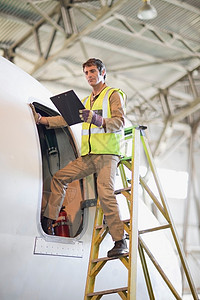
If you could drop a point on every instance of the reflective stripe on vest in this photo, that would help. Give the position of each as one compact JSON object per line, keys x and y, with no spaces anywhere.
{"x":94,"y":139}
{"x":98,"y":130}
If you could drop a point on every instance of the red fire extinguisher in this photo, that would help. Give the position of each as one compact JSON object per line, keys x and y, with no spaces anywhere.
{"x":61,"y":225}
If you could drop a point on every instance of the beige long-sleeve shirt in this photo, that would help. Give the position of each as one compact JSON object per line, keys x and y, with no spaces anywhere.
{"x":116,"y":122}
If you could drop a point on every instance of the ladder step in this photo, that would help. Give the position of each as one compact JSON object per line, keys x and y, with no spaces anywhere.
{"x":128,"y":158}
{"x":105,"y":225}
{"x":122,"y":190}
{"x":107,"y":292}
{"x":109,"y":258}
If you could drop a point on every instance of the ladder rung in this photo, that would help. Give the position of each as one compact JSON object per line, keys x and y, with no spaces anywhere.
{"x":109,"y":258}
{"x":107,"y":292}
{"x":105,"y":225}
{"x":122,"y":190}
{"x":154,"y":229}
{"x":128,"y":158}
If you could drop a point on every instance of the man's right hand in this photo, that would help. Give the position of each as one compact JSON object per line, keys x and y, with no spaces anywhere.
{"x":36,"y":115}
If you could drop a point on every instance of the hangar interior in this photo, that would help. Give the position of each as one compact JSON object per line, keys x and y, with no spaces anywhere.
{"x":156,"y":62}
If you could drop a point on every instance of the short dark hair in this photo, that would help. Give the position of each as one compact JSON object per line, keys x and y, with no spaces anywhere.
{"x":95,"y":62}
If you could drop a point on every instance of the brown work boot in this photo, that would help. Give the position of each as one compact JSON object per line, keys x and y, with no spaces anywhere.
{"x":119,"y":248}
{"x":47,"y":225}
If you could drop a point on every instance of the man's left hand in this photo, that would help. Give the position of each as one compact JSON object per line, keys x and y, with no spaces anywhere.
{"x":90,"y":116}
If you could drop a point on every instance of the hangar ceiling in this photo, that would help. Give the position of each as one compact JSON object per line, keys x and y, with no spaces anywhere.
{"x":155,"y":62}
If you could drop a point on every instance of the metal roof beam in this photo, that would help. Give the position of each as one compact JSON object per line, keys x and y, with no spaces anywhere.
{"x":118,"y":49}
{"x":173,"y":82}
{"x":31,"y":30}
{"x":154,"y":41}
{"x":103,"y":14}
{"x":18,"y":20}
{"x":182,"y":4}
{"x":47,"y":18}
{"x":187,"y":111}
{"x":156,"y":32}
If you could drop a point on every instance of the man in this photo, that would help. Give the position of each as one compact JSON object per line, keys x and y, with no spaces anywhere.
{"x":102,"y":131}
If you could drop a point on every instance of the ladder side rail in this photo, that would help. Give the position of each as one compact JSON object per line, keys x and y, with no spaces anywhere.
{"x":124,"y":181}
{"x":127,"y":163}
{"x":152,"y":196}
{"x":100,"y":235}
{"x":90,"y":282}
{"x":133,"y":239}
{"x":158,"y":267}
{"x":154,"y":172}
{"x":146,"y":272}
{"x":125,"y":261}
{"x":168,"y":216}
{"x":123,"y":175}
{"x":187,"y":203}
{"x":123,"y":295}
{"x":184,"y":263}
{"x":97,"y":268}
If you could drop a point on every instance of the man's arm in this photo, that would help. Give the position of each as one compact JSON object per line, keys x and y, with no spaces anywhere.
{"x":43,"y":121}
{"x":55,"y":122}
{"x":49,"y":122}
{"x":117,"y":106}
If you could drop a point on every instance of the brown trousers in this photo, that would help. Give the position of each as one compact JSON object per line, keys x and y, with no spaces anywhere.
{"x":105,"y":167}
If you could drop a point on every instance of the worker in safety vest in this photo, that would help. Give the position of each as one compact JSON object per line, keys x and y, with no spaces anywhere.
{"x":102,"y":133}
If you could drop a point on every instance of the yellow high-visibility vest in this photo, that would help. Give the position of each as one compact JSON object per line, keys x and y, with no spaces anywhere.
{"x":94,"y":139}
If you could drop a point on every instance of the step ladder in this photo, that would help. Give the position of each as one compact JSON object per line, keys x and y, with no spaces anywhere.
{"x":136,"y":241}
